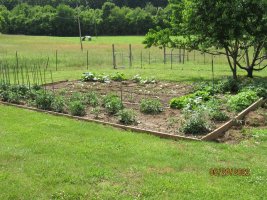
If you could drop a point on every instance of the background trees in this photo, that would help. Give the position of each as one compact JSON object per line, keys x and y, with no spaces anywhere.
{"x":37,"y":18}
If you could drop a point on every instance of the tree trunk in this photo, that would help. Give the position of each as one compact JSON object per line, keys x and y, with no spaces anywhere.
{"x":250,"y":72}
{"x":234,"y":74}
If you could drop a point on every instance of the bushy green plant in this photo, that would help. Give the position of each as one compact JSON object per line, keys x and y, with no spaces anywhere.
{"x":102,"y":78}
{"x":77,"y":96}
{"x":112,"y":104}
{"x":137,"y":78}
{"x":229,"y":85}
{"x":88,"y":77}
{"x":242,"y":100}
{"x":14,"y":97}
{"x":127,"y":116}
{"x":118,"y":77}
{"x":151,"y":106}
{"x":76,"y":108}
{"x":92,"y":99}
{"x":180,"y":102}
{"x":150,"y":80}
{"x":58,"y":104}
{"x":44,"y":100}
{"x":195,"y":122}
{"x":218,"y":115}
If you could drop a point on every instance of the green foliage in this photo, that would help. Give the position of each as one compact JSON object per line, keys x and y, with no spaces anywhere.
{"x":118,"y":77}
{"x":242,"y":100}
{"x":190,"y":100}
{"x":58,"y":104}
{"x":44,"y":100}
{"x":137,"y":78}
{"x":102,"y":78}
{"x":151,"y":106}
{"x":127,"y":116}
{"x":196,"y":122}
{"x":92,"y":99}
{"x":112,"y":104}
{"x":76,"y":108}
{"x":89,"y":76}
{"x":218,"y":115}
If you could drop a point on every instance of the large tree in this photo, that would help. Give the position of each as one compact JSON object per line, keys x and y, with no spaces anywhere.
{"x":236,"y":29}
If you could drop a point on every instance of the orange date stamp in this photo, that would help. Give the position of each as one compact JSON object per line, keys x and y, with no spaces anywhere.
{"x":230,"y":172}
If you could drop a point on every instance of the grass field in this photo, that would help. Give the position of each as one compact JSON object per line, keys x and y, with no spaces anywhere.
{"x":35,"y":50}
{"x":47,"y":157}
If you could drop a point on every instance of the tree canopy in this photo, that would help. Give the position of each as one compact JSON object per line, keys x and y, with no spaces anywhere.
{"x":236,"y":29}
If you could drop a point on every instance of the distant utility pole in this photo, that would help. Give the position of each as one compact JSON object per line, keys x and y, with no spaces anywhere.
{"x":80,"y":32}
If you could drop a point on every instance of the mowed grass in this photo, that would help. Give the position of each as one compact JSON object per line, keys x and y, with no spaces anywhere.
{"x":48,"y":157}
{"x":72,"y":62}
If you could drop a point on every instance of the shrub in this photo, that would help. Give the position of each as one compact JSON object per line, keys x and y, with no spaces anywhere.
{"x":151,"y":106}
{"x":58,"y":104}
{"x":76,"y":108}
{"x":196,"y":123}
{"x":242,"y":100}
{"x":112,"y":104}
{"x":118,"y":77}
{"x":44,"y":100}
{"x":203,"y":94}
{"x":92,"y":99}
{"x":77,"y":96}
{"x":127,"y":116}
{"x":36,"y":87}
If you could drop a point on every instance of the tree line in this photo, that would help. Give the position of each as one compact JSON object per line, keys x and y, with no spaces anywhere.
{"x":10,"y":4}
{"x":62,"y":20}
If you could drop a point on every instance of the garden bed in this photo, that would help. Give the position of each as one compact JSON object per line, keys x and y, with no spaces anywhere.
{"x":160,"y":108}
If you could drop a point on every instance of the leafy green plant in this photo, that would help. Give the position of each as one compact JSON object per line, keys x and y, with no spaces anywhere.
{"x":118,"y":77}
{"x":196,"y":123}
{"x":89,"y":77}
{"x":218,"y":115}
{"x":137,"y":78}
{"x":76,"y":108}
{"x":127,"y":116}
{"x":102,"y":78}
{"x":242,"y":100}
{"x":150,"y":80}
{"x":151,"y":106}
{"x":112,"y":104}
{"x":92,"y":99}
{"x":58,"y":104}
{"x":44,"y":100}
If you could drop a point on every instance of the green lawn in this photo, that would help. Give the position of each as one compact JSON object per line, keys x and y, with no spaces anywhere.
{"x":48,"y":157}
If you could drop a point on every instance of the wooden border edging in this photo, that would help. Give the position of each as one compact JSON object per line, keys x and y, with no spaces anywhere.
{"x":138,"y":130}
{"x":221,"y":130}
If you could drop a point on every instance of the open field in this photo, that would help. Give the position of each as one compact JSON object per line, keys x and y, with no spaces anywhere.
{"x":43,"y":157}
{"x":35,"y":50}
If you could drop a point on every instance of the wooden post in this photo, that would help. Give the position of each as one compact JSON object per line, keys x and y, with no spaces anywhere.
{"x":183,"y":55}
{"x":204,"y":58}
{"x":17,"y":66}
{"x":164,"y":58}
{"x":194,"y":55}
{"x":212,"y":69}
{"x":80,"y":31}
{"x":130,"y":55}
{"x":141,"y":59}
{"x":56,"y":60}
{"x":180,"y":55}
{"x":87,"y":60}
{"x":113,"y":56}
{"x":149,"y":57}
{"x":171,"y":58}
{"x":187,"y":55}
